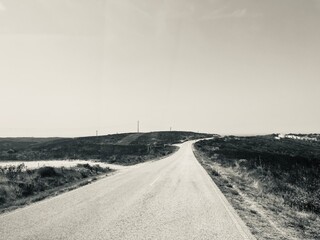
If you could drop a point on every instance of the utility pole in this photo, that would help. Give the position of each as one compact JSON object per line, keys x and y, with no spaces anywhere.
{"x":170,"y":129}
{"x":138,"y":126}
{"x":96,"y":132}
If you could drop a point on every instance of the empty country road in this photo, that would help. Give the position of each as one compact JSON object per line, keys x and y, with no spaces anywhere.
{"x":173,"y":198}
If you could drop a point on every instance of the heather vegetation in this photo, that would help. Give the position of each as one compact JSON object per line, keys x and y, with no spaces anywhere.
{"x":273,"y":183}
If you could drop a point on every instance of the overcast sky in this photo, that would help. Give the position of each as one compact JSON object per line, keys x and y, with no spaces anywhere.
{"x":71,"y":67}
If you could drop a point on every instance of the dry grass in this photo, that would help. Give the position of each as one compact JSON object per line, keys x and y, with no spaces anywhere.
{"x":267,"y":214}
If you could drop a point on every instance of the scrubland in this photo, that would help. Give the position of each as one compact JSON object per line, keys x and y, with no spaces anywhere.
{"x":20,"y":186}
{"x":274,"y":184}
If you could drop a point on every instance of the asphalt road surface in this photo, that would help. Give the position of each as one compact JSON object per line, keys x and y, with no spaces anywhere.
{"x":172,"y":198}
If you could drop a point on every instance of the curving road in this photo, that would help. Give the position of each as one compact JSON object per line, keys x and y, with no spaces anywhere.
{"x":173,"y":198}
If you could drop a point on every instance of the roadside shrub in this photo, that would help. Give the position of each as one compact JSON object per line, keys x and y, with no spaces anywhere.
{"x":7,"y":193}
{"x":3,"y":194}
{"x":86,"y":165}
{"x":47,"y":172}
{"x":215,"y":173}
{"x":27,"y":189}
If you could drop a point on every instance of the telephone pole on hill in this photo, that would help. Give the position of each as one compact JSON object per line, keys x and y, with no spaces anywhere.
{"x":138,"y":126}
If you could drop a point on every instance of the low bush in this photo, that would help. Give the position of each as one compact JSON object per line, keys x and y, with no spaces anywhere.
{"x":215,"y":173}
{"x":47,"y":172}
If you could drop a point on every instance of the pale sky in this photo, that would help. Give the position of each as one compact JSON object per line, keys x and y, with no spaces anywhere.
{"x":71,"y":67}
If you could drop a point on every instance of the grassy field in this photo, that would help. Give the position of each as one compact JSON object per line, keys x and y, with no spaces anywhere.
{"x":273,"y":183}
{"x":20,"y":186}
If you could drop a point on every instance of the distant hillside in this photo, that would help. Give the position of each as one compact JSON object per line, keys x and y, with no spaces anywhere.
{"x":126,"y":148}
{"x":23,"y":143}
{"x":170,"y":137}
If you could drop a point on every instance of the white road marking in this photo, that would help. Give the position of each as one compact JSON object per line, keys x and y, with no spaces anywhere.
{"x":154,"y":181}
